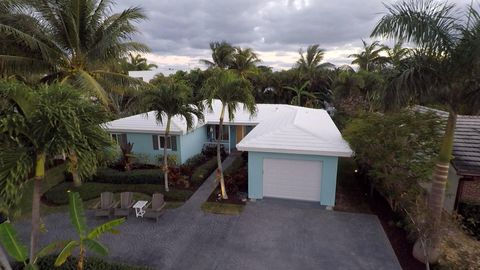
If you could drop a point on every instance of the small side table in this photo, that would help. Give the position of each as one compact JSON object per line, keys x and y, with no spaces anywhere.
{"x":140,"y":208}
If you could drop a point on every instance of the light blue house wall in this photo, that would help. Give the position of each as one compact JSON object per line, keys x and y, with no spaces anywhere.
{"x":328,"y":181}
{"x":143,"y":144}
{"x":192,"y":143}
{"x":233,"y":137}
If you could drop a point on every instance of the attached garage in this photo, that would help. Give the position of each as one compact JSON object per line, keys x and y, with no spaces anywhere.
{"x":294,"y":156}
{"x":292,"y":179}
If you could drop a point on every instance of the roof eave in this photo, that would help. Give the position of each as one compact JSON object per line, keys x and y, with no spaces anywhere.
{"x":332,"y":153}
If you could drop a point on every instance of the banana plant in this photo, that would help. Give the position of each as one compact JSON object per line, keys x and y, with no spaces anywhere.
{"x":18,"y":251}
{"x":86,"y":240}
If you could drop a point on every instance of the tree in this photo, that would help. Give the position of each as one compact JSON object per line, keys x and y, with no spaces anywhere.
{"x":38,"y":124}
{"x":244,"y":62}
{"x":445,"y":67}
{"x":137,"y":62}
{"x":309,"y":61}
{"x":68,"y":41}
{"x":300,"y":92}
{"x":171,"y":100}
{"x":222,"y":55}
{"x":370,"y":59}
{"x":87,"y":240}
{"x":231,"y":90}
{"x":9,"y":240}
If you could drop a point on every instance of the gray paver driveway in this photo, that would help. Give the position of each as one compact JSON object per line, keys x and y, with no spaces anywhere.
{"x":269,"y":234}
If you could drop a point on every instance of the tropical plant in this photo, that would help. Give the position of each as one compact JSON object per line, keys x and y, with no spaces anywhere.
{"x":299,"y":93}
{"x":445,"y":67}
{"x":222,"y":55}
{"x":86,"y":240}
{"x":244,"y":62}
{"x":35,"y":126}
{"x":137,"y":62}
{"x":171,"y":100}
{"x":370,"y":59}
{"x":309,"y":62}
{"x":71,"y":41}
{"x":231,"y":90}
{"x":15,"y":249}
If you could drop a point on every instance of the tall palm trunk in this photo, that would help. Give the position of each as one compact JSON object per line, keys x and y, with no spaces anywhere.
{"x":165,"y":154}
{"x":73,"y":158}
{"x":39,"y":175}
{"x":437,"y":194}
{"x":219,"y":157}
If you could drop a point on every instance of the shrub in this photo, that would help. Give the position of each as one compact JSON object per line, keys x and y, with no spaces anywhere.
{"x":210,"y":150}
{"x":190,"y":164}
{"x":471,"y":217}
{"x":203,"y":171}
{"x":58,"y":195}
{"x":172,"y":160}
{"x":238,"y":163}
{"x":91,"y":263}
{"x":143,"y":176}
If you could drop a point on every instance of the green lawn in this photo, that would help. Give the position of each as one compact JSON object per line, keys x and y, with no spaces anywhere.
{"x":52,"y":178}
{"x":222,"y":208}
{"x":90,"y":190}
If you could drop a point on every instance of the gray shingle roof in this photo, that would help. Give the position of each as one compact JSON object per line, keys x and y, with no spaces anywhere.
{"x":466,"y":147}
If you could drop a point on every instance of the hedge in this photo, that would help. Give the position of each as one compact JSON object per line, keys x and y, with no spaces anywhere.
{"x":91,"y":263}
{"x":471,"y":215}
{"x":58,"y":195}
{"x":203,"y":171}
{"x":140,"y":176}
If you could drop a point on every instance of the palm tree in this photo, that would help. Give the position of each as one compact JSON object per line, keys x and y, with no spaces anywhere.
{"x":38,"y":124}
{"x":231,"y":90}
{"x":397,"y":55}
{"x":222,"y":55}
{"x":171,"y":100}
{"x":87,"y":240}
{"x":370,"y":59}
{"x":300,"y":92}
{"x":446,"y":67}
{"x":137,"y":62}
{"x":309,"y":62}
{"x":244,"y":61}
{"x":73,"y":47}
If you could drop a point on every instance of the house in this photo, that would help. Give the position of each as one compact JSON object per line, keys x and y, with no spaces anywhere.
{"x":464,"y":173}
{"x":292,"y":151}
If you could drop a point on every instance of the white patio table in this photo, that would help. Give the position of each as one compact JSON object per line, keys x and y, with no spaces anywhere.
{"x":140,"y":208}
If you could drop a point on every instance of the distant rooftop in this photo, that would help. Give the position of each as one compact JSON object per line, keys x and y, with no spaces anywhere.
{"x":466,"y":147}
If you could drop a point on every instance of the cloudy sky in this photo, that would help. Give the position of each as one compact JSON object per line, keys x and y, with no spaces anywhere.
{"x":179,"y":31}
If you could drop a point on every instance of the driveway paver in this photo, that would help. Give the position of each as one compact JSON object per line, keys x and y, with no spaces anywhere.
{"x":269,"y":234}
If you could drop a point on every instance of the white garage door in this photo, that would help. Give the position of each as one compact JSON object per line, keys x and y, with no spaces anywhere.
{"x":292,"y":179}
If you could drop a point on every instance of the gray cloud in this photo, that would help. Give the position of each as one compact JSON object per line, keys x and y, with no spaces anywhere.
{"x":185,"y":27}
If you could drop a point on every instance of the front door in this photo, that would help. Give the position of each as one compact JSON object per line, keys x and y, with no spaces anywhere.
{"x":240,"y":132}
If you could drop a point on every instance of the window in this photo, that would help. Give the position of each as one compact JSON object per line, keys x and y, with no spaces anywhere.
{"x":119,"y":138}
{"x":159,"y":142}
{"x":225,"y":135}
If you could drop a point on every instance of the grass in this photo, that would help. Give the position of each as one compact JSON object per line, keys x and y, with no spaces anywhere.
{"x":222,"y":208}
{"x":90,"y":190}
{"x":53,"y":177}
{"x":202,"y":172}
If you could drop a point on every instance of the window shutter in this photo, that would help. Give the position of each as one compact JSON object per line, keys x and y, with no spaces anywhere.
{"x":155,"y":142}
{"x":162,"y":141}
{"x":173,"y":140}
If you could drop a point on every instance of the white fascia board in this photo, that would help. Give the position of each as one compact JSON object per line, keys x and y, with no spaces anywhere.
{"x":235,"y":123}
{"x":347,"y":153}
{"x":146,"y":131}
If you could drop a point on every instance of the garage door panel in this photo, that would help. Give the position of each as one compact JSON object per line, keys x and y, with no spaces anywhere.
{"x":292,"y":179}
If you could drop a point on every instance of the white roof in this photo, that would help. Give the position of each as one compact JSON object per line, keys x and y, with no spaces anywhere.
{"x":279,"y":128}
{"x":147,"y":123}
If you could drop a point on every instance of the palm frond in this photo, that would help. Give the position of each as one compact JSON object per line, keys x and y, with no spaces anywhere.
{"x":106,"y":227}
{"x":11,"y":242}
{"x":66,"y":252}
{"x":77,"y":214}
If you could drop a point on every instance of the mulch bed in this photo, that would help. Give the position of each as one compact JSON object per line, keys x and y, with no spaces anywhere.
{"x":354,"y":198}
